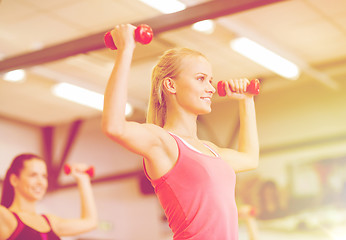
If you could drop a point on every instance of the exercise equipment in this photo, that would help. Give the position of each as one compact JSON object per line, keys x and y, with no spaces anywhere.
{"x":252,"y":212}
{"x":90,"y":171}
{"x":143,"y":34}
{"x":247,"y":211}
{"x":252,"y":88}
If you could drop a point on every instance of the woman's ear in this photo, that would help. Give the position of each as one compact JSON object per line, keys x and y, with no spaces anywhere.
{"x":13,"y":180}
{"x":169,"y":85}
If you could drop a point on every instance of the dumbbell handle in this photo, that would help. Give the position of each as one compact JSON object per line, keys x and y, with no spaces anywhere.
{"x":252,"y":88}
{"x":143,"y":35}
{"x":90,"y":171}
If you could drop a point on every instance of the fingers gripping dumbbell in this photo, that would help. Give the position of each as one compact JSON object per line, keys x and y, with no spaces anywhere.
{"x":247,"y":211}
{"x":252,"y":88}
{"x":143,"y":35}
{"x":90,"y":171}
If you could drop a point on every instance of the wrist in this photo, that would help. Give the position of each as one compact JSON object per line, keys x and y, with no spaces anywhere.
{"x":247,"y":100}
{"x":126,"y":49}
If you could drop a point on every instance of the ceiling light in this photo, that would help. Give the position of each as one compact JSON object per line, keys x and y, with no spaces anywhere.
{"x":83,"y":96}
{"x":265,"y":57}
{"x":206,"y":26}
{"x":166,"y":6}
{"x":15,"y":75}
{"x":79,"y":95}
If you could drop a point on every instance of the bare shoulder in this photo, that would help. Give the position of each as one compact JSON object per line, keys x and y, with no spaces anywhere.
{"x":54,"y":221}
{"x":239,"y":161}
{"x":5,"y":214}
{"x":212,"y":145}
{"x":8,"y":223}
{"x":225,"y":153}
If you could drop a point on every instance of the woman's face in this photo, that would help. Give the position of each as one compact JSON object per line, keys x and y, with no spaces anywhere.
{"x":194,"y":88}
{"x":32,"y":182}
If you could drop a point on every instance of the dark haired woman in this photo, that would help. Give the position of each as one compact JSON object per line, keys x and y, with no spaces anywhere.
{"x":24,"y":185}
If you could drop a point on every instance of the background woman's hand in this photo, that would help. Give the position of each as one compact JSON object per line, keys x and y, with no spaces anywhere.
{"x":79,"y":170}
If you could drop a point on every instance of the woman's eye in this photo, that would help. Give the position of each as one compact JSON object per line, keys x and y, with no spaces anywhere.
{"x":201,"y":78}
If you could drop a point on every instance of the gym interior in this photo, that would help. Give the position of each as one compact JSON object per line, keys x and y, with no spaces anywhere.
{"x":299,"y":189}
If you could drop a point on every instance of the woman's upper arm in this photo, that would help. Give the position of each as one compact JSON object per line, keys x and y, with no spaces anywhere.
{"x":8,"y":223}
{"x":138,"y":138}
{"x":70,"y":227}
{"x":152,"y":142}
{"x":239,"y":161}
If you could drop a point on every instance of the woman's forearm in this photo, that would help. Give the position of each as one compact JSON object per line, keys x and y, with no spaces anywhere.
{"x":88,"y":205}
{"x":115,"y":97}
{"x":248,"y":136}
{"x":252,"y":228}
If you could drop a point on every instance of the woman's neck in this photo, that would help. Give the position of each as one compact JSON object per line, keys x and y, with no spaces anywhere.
{"x":183,"y":127}
{"x":23,"y":205}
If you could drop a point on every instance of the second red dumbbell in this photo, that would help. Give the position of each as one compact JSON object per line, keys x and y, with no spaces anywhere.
{"x":252,"y":88}
{"x":143,"y":34}
{"x":90,"y":171}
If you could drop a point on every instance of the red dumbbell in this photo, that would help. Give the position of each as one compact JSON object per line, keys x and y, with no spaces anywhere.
{"x":90,"y":171}
{"x":247,"y":211}
{"x":252,"y":88}
{"x":143,"y":34}
{"x":253,"y":212}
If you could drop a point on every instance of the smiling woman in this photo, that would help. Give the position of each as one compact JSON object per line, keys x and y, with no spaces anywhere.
{"x":194,"y":179}
{"x":24,"y":185}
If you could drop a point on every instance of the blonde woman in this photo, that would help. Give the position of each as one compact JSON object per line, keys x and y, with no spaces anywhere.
{"x":194,"y":179}
{"x":24,"y":185}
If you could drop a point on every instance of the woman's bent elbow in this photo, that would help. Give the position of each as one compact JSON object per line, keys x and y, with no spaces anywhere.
{"x":112,"y":131}
{"x":254,"y":163}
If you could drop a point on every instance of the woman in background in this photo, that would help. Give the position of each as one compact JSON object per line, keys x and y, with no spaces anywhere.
{"x":194,"y":179}
{"x":24,"y":185}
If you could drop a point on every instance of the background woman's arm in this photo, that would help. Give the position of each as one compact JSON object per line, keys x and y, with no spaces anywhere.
{"x":88,"y":219}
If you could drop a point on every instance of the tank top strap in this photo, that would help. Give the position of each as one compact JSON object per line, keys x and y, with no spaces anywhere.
{"x":16,"y":216}
{"x":45,"y":217}
{"x":19,"y":228}
{"x":193,"y":148}
{"x":212,"y":150}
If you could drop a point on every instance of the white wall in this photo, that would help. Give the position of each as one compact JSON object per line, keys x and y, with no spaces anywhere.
{"x":16,"y":138}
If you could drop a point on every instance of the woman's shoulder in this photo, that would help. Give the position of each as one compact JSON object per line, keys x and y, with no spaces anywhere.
{"x":5,"y":213}
{"x":8,"y":222}
{"x":210,"y":144}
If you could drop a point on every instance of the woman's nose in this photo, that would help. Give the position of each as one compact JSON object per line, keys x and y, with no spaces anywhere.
{"x":211,"y":89}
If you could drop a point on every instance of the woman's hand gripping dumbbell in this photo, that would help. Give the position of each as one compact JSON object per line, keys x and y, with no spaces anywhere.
{"x":252,"y":88}
{"x":90,"y":170}
{"x":247,"y":211}
{"x":143,"y":34}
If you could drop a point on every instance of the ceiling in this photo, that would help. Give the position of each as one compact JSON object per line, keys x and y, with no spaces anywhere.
{"x":50,"y":40}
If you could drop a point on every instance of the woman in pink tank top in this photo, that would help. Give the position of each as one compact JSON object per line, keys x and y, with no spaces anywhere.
{"x":194,"y":179}
{"x":24,"y":185}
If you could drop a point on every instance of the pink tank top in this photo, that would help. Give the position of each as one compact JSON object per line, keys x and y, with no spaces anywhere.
{"x":198,"y":196}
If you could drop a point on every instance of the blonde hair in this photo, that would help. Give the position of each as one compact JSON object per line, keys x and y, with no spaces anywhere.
{"x":169,"y":65}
